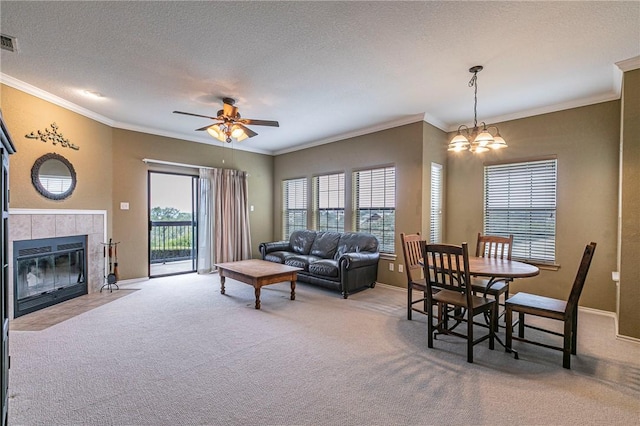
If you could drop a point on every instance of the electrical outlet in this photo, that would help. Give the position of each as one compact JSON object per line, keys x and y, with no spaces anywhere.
{"x":400,"y":268}
{"x":391,"y":266}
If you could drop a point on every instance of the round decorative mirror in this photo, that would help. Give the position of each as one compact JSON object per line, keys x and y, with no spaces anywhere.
{"x":53,"y":176}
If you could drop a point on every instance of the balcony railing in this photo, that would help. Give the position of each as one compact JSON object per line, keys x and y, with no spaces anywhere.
{"x":171,"y":241}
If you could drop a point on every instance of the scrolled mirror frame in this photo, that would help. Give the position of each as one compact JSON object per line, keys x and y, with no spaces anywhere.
{"x":35,"y":176}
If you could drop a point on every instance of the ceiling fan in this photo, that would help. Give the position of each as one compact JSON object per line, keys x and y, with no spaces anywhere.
{"x":230,"y":124}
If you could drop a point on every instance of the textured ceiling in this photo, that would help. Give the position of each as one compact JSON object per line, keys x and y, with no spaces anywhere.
{"x":324,"y":70}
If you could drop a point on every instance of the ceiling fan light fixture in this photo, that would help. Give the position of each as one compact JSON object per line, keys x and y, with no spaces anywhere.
{"x":217,"y":132}
{"x":238,"y":133}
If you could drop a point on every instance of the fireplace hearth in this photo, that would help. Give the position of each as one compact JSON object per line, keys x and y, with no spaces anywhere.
{"x":48,"y":271}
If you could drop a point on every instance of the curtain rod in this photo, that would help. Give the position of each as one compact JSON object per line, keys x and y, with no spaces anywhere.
{"x":170,"y":163}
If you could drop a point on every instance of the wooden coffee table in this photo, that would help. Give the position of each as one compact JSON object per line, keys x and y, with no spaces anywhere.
{"x":258,"y":273}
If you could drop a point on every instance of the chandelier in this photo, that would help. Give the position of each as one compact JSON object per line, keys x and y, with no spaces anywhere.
{"x":476,"y":140}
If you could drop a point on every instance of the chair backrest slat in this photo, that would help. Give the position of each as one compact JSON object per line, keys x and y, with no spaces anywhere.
{"x":494,"y":246}
{"x":412,"y":250}
{"x":447,"y":267}
{"x":581,"y":276}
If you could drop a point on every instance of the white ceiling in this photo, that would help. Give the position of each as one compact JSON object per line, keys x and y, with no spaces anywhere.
{"x":324,"y":70}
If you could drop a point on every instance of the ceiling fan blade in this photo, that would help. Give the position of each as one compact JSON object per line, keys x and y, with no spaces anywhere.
{"x":250,"y":121}
{"x":195,"y":115}
{"x":247,"y":131}
{"x":203,"y":128}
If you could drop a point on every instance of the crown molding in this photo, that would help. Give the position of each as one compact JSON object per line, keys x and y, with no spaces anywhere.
{"x":46,"y":96}
{"x":612,"y":96}
{"x":629,"y":64}
{"x":377,"y":128}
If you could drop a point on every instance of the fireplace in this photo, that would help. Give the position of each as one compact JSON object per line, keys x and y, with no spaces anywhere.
{"x":48,"y":271}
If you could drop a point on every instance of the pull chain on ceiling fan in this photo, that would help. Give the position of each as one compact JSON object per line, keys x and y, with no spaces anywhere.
{"x":230,"y":124}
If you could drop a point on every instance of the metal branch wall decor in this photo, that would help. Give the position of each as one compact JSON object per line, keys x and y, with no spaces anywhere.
{"x":53,"y":136}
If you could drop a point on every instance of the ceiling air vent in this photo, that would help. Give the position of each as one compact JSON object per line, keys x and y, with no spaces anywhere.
{"x":8,"y":42}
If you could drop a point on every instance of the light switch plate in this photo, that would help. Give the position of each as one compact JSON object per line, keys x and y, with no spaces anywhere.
{"x":124,"y":206}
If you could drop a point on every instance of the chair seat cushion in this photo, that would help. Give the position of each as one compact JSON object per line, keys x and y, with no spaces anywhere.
{"x":459,"y":299}
{"x":420,"y":285}
{"x":541,"y":305}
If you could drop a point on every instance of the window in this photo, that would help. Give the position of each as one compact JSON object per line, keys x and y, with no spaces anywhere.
{"x":329,"y":202}
{"x":375,"y":204}
{"x":435,"y":229}
{"x":520,"y":199}
{"x":294,"y":206}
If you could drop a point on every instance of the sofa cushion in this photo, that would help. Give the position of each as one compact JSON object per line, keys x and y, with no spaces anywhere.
{"x":324,"y":268}
{"x":356,"y":242}
{"x":278,"y":256}
{"x":301,"y":261}
{"x":301,"y":241}
{"x":325,"y":244}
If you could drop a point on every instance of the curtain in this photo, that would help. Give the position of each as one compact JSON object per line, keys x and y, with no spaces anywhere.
{"x":206,"y":234}
{"x":224,"y":234}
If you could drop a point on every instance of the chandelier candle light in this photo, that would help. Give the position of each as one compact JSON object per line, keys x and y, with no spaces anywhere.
{"x":476,"y":140}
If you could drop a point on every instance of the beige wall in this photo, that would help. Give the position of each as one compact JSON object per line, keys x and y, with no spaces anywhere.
{"x":130,"y":185}
{"x":585,"y":141}
{"x":629,"y":315}
{"x":24,"y":114}
{"x":400,"y":146}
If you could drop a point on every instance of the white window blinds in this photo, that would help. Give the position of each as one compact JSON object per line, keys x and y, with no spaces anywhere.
{"x":375,"y":205}
{"x":329,"y":202}
{"x":520,"y":199}
{"x":435,"y":229}
{"x":294,"y":206}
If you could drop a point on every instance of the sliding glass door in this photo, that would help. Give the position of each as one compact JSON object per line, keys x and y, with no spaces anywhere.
{"x":172,"y":223}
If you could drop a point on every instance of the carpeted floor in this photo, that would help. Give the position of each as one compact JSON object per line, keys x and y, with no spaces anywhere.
{"x":177,"y":352}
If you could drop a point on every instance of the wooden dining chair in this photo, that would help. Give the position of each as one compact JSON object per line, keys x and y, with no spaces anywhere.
{"x":565,"y":311}
{"x":412,"y":250}
{"x":446,"y":268}
{"x":500,"y":248}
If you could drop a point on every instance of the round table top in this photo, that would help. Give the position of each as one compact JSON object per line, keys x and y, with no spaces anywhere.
{"x":501,"y":268}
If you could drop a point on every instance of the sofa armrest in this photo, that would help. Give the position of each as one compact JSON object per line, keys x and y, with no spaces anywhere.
{"x":266,"y":248}
{"x":358,"y":260}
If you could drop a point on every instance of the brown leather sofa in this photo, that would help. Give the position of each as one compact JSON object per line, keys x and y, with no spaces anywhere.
{"x":343,"y":261}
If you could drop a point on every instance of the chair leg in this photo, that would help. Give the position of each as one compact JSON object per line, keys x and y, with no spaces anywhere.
{"x":574,"y":332}
{"x":506,"y":296}
{"x":566,"y":348}
{"x":430,"y":325}
{"x":409,"y":299}
{"x":509,"y":331}
{"x":469,"y":336}
{"x":521,"y":324}
{"x":493,"y":325}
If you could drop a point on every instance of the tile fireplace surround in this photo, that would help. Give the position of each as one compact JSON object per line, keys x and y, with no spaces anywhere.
{"x":31,"y":224}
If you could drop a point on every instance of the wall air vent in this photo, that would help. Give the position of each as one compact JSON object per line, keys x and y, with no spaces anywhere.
{"x":8,"y":42}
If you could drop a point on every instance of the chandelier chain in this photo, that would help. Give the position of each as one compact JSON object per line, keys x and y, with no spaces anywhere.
{"x":474,"y":83}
